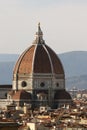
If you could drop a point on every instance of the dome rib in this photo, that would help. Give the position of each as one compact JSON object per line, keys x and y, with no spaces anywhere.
{"x":49,"y":58}
{"x":34,"y":58}
{"x":57,"y":65}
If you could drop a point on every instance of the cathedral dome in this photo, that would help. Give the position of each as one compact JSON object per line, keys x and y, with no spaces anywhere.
{"x":39,"y":58}
{"x":39,"y":75}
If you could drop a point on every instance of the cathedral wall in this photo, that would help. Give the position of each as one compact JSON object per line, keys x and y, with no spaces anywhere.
{"x":22,"y":82}
{"x":38,"y":81}
{"x":45,"y":81}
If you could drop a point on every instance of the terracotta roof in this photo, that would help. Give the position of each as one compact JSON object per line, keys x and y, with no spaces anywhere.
{"x":21,"y":94}
{"x":24,"y":63}
{"x":62,"y":94}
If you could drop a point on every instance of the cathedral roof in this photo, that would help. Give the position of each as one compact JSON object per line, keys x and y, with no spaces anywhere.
{"x":38,"y":58}
{"x":22,"y":95}
{"x":62,"y":94}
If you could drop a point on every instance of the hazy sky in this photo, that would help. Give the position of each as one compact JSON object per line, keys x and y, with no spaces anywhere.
{"x":63,"y":22}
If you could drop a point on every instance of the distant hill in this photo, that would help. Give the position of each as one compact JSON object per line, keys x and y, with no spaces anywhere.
{"x":75,"y":66}
{"x":7,"y":62}
{"x":79,"y":82}
{"x":74,"y":63}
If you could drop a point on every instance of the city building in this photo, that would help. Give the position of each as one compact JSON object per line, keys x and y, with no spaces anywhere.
{"x":38,"y":77}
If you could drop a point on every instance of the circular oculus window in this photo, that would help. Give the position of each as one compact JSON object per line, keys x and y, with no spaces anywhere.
{"x":42,"y":84}
{"x":24,"y":84}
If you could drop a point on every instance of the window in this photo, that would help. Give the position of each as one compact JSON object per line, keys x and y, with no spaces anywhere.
{"x":24,"y":84}
{"x":42,"y":84}
{"x":57,"y":84}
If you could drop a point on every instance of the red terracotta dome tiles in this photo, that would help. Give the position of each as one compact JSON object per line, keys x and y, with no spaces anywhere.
{"x":25,"y":64}
{"x":57,"y":66}
{"x":21,"y":94}
{"x":41,"y":61}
